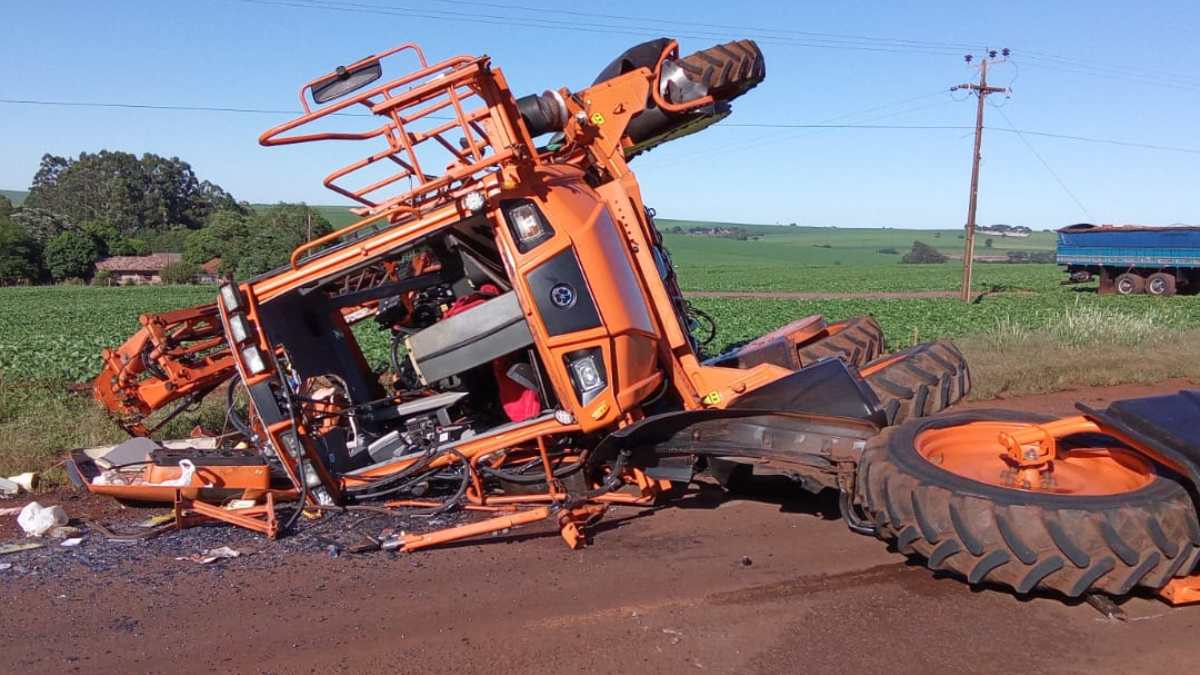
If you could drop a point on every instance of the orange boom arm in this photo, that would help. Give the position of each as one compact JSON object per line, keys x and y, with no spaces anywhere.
{"x":177,"y":355}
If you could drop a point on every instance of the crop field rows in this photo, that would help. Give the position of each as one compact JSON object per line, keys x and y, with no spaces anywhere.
{"x":56,"y":333}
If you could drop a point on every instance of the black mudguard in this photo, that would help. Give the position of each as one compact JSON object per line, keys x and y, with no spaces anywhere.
{"x":804,"y":423}
{"x":1164,"y":426}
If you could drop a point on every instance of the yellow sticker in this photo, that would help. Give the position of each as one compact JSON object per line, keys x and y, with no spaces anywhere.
{"x":712,"y":398}
{"x":597,"y":119}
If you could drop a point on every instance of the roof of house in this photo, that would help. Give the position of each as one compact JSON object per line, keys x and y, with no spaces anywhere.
{"x":154,"y":262}
{"x":212,"y":266}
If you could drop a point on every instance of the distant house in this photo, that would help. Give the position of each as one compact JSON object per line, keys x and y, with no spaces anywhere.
{"x":138,"y":269}
{"x":210,"y":272}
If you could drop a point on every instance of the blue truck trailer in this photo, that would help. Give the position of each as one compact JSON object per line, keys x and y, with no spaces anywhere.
{"x":1132,"y":259}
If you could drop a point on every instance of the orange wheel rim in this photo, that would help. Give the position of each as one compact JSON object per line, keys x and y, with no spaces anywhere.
{"x":974,"y":451}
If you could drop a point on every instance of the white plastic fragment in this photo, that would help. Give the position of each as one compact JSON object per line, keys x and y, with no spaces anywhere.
{"x":9,"y":488}
{"x":186,"y":471}
{"x":72,"y":542}
{"x":36,"y":520}
{"x":28,"y":480}
{"x":212,"y":555}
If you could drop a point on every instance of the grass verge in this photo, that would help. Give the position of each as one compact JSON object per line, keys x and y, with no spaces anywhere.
{"x":41,"y":420}
{"x":1083,"y":346}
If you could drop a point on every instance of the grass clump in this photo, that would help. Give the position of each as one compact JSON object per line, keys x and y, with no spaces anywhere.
{"x":1083,"y":345}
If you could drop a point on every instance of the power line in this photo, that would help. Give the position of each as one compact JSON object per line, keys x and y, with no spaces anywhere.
{"x":1106,"y":141}
{"x":809,"y":39}
{"x":761,"y":125}
{"x":676,"y":21}
{"x":182,"y":108}
{"x":347,"y":6}
{"x":1045,"y":164}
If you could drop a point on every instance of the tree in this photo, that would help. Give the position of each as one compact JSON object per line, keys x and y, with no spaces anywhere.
{"x":179,"y":273}
{"x":987,"y":243}
{"x":6,"y":207}
{"x":275,"y":233}
{"x":20,"y":255}
{"x":224,"y":236}
{"x":126,"y":192}
{"x":923,"y":254}
{"x":41,"y":224}
{"x":71,"y":254}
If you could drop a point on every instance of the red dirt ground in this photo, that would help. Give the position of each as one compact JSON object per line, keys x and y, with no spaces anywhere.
{"x":709,"y":584}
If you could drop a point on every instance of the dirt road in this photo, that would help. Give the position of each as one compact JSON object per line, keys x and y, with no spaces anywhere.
{"x":709,"y":584}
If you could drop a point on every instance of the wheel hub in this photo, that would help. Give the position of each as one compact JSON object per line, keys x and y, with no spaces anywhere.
{"x":1036,"y":458}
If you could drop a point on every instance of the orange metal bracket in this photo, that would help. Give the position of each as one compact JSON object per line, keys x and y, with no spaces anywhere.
{"x":259,"y":519}
{"x":1182,"y":591}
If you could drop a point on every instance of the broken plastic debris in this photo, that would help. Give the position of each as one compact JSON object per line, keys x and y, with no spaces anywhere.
{"x":28,"y":480}
{"x":186,"y":471}
{"x":241,"y":504}
{"x":17,"y":548}
{"x":63,"y":532}
{"x":155,"y":521}
{"x":212,"y":555}
{"x":9,"y":488}
{"x":36,"y":520}
{"x":72,"y":542}
{"x":5,"y":566}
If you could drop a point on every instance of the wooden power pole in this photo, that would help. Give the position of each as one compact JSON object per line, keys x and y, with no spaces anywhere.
{"x":981,"y":91}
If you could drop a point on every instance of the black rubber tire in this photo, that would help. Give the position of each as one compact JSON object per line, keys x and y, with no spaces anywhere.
{"x":1129,"y":284}
{"x":855,"y":341}
{"x":1161,"y":284}
{"x":919,"y":381}
{"x":1021,"y":540}
{"x":728,"y":70}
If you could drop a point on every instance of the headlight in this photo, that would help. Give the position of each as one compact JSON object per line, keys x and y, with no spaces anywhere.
{"x":528,"y":225}
{"x":253,"y":359}
{"x":473,"y":202}
{"x":587,"y":373}
{"x":230,"y":297}
{"x":239,"y":328}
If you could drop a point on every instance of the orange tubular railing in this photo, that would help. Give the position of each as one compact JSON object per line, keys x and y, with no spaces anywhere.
{"x":457,"y":115}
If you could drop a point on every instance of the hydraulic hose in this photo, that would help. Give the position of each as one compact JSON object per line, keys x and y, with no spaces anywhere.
{"x":231,"y":413}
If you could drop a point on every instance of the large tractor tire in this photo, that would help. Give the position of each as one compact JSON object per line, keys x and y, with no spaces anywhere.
{"x":918,"y":381}
{"x":855,"y":341}
{"x":727,"y":70}
{"x":1111,"y":521}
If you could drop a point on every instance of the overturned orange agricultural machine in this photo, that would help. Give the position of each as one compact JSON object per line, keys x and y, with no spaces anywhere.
{"x":545,"y":365}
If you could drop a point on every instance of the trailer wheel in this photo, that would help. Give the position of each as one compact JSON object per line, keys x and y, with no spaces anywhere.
{"x":855,"y":341}
{"x":938,"y":489}
{"x":918,"y":381}
{"x":1129,"y":284}
{"x":1161,"y":284}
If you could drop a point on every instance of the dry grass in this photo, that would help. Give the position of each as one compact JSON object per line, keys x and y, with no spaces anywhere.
{"x":41,"y":421}
{"x":1083,"y":346}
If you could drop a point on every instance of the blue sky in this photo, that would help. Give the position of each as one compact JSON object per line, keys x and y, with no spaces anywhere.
{"x":1126,"y":79}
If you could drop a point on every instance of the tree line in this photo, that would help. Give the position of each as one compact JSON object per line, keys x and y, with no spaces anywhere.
{"x":110,"y":203}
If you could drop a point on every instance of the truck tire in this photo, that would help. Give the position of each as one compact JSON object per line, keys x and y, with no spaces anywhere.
{"x":728,"y":70}
{"x":1063,"y":541}
{"x":1129,"y":284}
{"x":918,"y":381}
{"x":855,"y":341}
{"x":1161,"y":284}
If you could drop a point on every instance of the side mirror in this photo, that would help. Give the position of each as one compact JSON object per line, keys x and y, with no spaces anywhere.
{"x":346,"y":80}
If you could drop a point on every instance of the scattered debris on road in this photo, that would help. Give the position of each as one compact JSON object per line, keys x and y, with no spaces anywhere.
{"x":37,"y":520}
{"x":212,"y":555}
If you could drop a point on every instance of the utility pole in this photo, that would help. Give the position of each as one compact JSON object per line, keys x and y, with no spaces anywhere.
{"x":981,"y":91}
